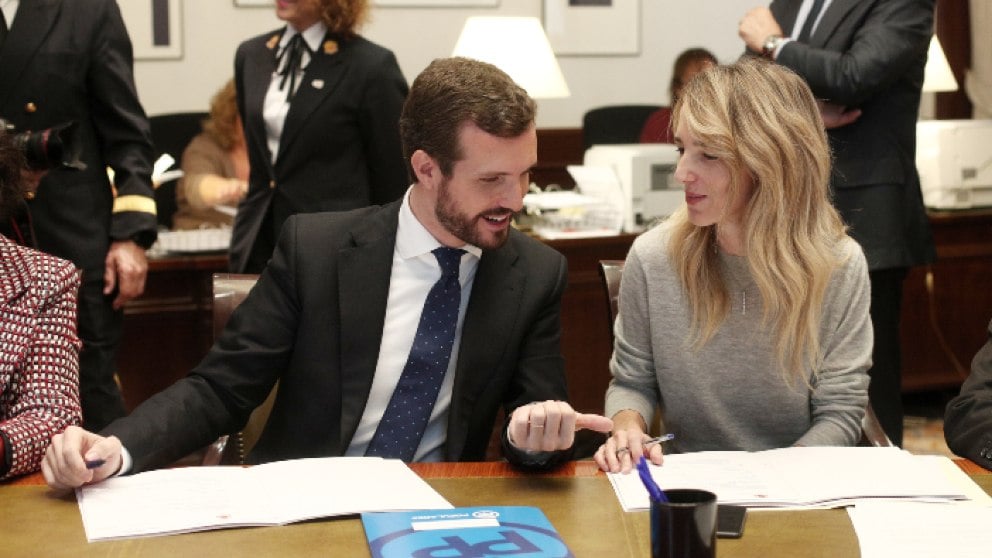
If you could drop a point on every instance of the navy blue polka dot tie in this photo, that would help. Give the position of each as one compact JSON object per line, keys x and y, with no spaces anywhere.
{"x":402,"y":425}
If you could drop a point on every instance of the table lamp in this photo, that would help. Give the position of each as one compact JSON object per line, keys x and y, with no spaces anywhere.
{"x":519,"y":47}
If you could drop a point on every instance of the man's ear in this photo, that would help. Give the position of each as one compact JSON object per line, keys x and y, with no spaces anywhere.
{"x":425,"y":168}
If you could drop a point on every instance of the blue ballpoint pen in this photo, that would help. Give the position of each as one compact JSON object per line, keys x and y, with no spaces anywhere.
{"x":655,"y":491}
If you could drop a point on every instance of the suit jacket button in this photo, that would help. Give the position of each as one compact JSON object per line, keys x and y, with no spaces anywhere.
{"x":30,"y":107}
{"x":272,"y":184}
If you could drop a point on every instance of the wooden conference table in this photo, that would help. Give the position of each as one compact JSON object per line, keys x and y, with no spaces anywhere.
{"x":578,"y":499}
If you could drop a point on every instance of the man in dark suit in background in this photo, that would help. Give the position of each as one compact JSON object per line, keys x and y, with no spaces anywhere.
{"x":968,"y":418}
{"x":332,"y":315}
{"x":864,"y":59}
{"x":70,"y":60}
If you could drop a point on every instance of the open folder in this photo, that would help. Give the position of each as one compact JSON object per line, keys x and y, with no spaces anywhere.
{"x":188,"y":499}
{"x":802,"y":477}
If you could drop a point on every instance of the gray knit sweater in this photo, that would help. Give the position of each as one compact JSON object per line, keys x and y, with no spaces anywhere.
{"x":730,"y":395}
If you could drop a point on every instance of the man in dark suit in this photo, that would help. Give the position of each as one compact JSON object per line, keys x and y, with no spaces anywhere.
{"x":70,"y":60}
{"x":968,"y":419}
{"x":864,"y":59}
{"x":321,"y":133}
{"x":331,"y":317}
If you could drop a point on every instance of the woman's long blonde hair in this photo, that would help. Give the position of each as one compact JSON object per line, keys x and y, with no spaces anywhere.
{"x":762,"y":122}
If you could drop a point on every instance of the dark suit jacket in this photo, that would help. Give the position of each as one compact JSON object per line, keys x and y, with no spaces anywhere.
{"x":314,"y":322}
{"x":870,"y":54}
{"x":71,"y":60}
{"x":340,"y":145}
{"x":968,"y":419}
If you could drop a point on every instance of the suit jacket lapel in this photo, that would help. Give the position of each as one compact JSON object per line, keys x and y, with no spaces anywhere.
{"x":322,"y":75}
{"x":256,"y":83}
{"x":13,"y":271}
{"x":489,"y":320}
{"x":831,"y":19}
{"x":785,"y":14}
{"x":31,"y":27}
{"x":364,"y":272}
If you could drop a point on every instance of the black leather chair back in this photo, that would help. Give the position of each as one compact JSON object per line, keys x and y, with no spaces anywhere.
{"x":614,"y":124}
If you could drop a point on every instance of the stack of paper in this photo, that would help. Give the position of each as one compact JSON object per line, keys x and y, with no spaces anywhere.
{"x":195,"y":241}
{"x":161,"y":173}
{"x":801,"y":476}
{"x":911,"y":529}
{"x":922,"y":530}
{"x":200,"y":498}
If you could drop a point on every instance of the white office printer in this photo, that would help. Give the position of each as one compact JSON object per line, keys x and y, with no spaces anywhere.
{"x":954,"y":158}
{"x":646,"y":173}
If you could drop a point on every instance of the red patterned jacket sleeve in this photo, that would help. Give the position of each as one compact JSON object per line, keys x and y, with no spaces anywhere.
{"x":39,"y":353}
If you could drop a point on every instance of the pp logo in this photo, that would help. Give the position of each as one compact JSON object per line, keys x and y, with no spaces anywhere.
{"x":510,"y":539}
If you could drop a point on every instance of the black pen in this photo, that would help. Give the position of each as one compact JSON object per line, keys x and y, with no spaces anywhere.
{"x":95,"y":463}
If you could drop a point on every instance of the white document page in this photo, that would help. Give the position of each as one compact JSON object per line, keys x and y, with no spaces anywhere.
{"x":200,"y":498}
{"x":800,"y":476}
{"x":887,"y":528}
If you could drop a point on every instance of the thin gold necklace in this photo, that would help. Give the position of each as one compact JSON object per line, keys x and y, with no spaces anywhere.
{"x":742,"y":282}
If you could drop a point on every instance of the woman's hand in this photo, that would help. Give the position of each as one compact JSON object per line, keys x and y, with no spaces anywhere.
{"x":627,"y":444}
{"x":231,"y":191}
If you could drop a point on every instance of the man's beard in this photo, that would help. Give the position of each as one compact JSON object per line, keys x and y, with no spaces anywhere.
{"x":463,"y":226}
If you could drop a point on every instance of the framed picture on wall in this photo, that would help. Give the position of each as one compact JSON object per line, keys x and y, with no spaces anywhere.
{"x":593,"y":27}
{"x":255,"y":3}
{"x":155,"y":27}
{"x":436,"y":3}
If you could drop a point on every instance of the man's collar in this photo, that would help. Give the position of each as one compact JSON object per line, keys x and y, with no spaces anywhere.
{"x":413,"y":239}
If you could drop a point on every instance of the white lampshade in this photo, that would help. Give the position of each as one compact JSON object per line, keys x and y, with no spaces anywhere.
{"x":937,"y":76}
{"x":519,"y":47}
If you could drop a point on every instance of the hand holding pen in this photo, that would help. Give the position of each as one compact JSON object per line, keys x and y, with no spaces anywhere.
{"x":76,"y":457}
{"x":628,"y":443}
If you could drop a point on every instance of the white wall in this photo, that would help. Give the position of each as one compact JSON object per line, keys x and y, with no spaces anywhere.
{"x":212,"y":30}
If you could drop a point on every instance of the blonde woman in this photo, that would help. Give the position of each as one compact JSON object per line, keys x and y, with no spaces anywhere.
{"x":215,"y":167}
{"x":744,"y":317}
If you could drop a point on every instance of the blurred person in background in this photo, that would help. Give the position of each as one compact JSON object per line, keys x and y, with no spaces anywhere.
{"x":968,"y":417}
{"x":215,"y":168}
{"x":321,"y":108}
{"x":864,"y":62}
{"x":658,"y":127}
{"x":71,"y":61}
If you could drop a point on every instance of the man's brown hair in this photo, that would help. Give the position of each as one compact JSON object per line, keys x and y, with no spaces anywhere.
{"x":451,"y":92}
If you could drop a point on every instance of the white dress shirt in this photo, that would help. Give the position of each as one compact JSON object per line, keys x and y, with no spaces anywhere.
{"x":9,"y":8}
{"x":804,"y":14}
{"x":800,"y":21}
{"x":275,"y":106}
